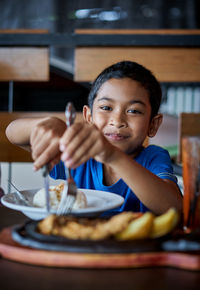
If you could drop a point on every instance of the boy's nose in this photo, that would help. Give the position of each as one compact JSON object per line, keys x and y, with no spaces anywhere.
{"x":118,"y":121}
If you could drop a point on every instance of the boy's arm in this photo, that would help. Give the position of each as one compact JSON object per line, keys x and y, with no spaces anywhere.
{"x":156,"y":193}
{"x":18,"y":131}
{"x":83,"y":141}
{"x":40,"y":135}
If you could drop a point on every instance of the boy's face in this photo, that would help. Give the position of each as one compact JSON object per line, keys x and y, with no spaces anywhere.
{"x":122,"y":111}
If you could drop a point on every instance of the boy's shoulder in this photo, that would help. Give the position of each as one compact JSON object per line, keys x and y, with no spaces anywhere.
{"x":153,"y":152}
{"x":154,"y":148}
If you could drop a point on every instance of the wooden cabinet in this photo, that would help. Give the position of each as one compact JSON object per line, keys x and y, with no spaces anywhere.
{"x":164,"y":52}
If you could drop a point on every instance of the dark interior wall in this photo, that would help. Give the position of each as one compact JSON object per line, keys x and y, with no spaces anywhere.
{"x":65,"y":16}
{"x":58,"y":15}
{"x":44,"y":96}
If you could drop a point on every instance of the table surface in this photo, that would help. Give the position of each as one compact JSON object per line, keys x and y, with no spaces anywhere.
{"x":15,"y":275}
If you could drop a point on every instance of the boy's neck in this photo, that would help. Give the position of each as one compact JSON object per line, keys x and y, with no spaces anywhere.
{"x":109,"y":176}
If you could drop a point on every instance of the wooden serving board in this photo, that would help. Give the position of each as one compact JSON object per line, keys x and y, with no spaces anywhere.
{"x":13,"y":251}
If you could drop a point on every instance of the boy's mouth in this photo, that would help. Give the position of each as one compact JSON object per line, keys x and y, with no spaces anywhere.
{"x":115,"y":136}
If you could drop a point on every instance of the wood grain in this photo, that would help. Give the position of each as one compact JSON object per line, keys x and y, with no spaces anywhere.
{"x":23,"y":30}
{"x":188,"y":125}
{"x":172,"y":64}
{"x":24,"y":64}
{"x":191,"y":158}
{"x":13,"y":153}
{"x":12,"y":251}
{"x":139,"y":31}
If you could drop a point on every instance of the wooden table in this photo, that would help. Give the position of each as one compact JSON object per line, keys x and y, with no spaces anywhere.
{"x":21,"y":276}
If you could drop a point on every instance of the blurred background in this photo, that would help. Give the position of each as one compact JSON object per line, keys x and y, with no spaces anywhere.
{"x":65,"y":16}
{"x":59,"y":16}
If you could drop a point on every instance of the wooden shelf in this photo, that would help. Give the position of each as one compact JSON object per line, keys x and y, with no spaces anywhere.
{"x":169,"y":63}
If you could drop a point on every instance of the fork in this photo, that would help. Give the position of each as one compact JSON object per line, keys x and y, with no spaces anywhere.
{"x":70,"y":190}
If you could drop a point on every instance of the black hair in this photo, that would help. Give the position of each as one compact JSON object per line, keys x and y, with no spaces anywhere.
{"x":134,"y":71}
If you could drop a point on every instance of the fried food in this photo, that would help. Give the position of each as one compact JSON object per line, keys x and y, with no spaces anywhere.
{"x":123,"y":226}
{"x":114,"y":225}
{"x":46,"y":225}
{"x":164,"y":223}
{"x":84,"y":228}
{"x":139,"y":228}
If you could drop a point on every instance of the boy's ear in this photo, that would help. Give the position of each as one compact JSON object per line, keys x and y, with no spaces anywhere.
{"x":154,"y":125}
{"x":87,"y":114}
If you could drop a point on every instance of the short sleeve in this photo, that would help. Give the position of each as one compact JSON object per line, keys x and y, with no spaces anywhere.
{"x":158,"y":161}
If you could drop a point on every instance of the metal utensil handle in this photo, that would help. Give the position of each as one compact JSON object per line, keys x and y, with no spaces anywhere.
{"x":70,"y":114}
{"x":45,"y":170}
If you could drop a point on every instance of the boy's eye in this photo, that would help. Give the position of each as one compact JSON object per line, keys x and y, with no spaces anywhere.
{"x":133,"y":111}
{"x":106,"y":108}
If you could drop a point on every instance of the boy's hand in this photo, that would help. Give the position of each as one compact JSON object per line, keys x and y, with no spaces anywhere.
{"x":83,"y":141}
{"x":44,"y":141}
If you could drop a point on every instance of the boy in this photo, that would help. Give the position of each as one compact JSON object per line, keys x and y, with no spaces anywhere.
{"x":106,"y":152}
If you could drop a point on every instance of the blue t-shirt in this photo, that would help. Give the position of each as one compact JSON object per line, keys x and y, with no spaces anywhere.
{"x":90,"y":176}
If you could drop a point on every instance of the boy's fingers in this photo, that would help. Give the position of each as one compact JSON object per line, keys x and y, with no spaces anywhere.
{"x":77,"y":129}
{"x":73,"y":142}
{"x":70,"y":133}
{"x":80,"y":145}
{"x":36,"y":135}
{"x":89,"y":149}
{"x":48,"y":156}
{"x":39,"y":148}
{"x":77,"y":144}
{"x":55,"y":161}
{"x":46,"y":132}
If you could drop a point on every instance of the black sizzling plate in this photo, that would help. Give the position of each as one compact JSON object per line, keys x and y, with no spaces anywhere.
{"x":27,"y":235}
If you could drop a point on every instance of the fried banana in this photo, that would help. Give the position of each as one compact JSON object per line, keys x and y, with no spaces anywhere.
{"x":164,"y":223}
{"x":139,"y":228}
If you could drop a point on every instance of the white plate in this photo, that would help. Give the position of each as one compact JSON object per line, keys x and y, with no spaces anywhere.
{"x":98,"y":202}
